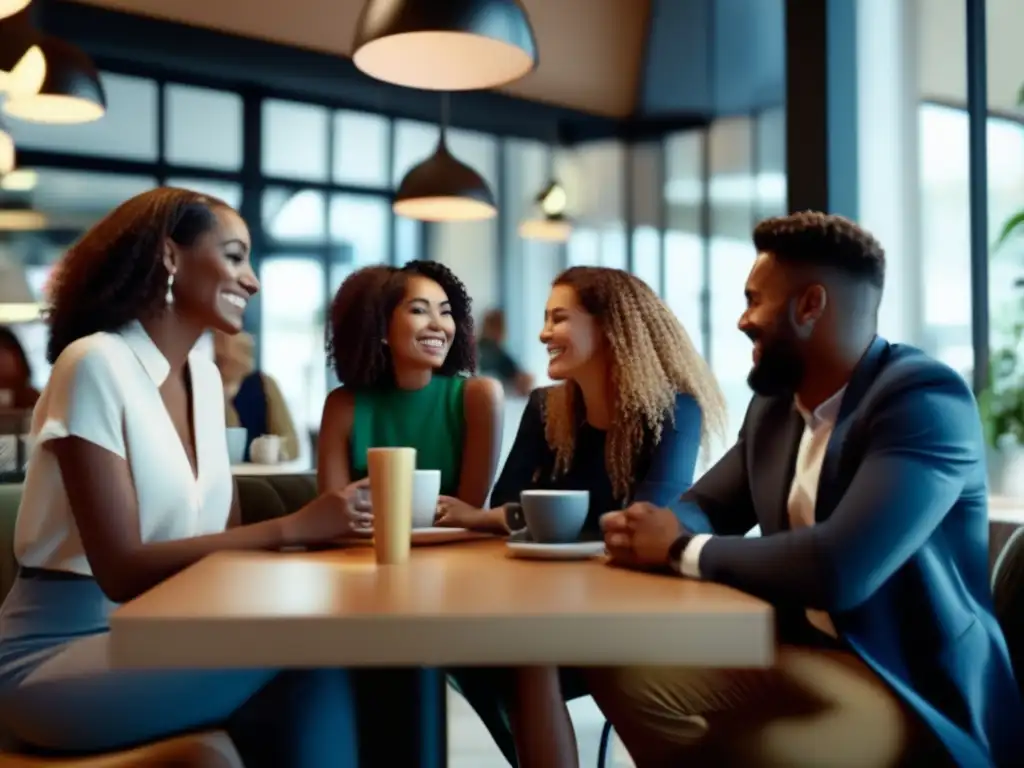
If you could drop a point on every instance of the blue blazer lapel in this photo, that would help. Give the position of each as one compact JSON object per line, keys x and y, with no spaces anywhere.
{"x":829,"y":487}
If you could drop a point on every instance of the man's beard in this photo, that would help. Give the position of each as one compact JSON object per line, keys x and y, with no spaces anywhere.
{"x":780,"y":369}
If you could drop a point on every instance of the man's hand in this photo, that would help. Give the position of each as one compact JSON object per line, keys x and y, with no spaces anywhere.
{"x":640,"y":536}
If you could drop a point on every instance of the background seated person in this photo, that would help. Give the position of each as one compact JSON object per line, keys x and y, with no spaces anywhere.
{"x":252,"y":399}
{"x":494,"y":360}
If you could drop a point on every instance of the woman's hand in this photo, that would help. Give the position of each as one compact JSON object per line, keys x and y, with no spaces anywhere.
{"x":329,"y":516}
{"x":358,"y":495}
{"x":455,"y":513}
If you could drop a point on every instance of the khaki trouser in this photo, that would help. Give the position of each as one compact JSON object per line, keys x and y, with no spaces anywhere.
{"x":815,"y":708}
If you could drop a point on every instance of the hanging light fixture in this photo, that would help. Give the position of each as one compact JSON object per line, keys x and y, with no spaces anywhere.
{"x":71,"y":91}
{"x":550,"y":221}
{"x":22,"y":64}
{"x":445,"y":45}
{"x":443,"y":188}
{"x":11,"y":7}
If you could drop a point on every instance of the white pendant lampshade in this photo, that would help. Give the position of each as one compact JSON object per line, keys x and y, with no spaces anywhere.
{"x":445,"y":45}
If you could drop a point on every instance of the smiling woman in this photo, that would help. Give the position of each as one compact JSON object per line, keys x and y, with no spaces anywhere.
{"x":402,"y":345}
{"x":129,"y":482}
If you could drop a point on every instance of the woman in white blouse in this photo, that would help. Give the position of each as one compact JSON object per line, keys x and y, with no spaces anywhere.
{"x":129,"y":482}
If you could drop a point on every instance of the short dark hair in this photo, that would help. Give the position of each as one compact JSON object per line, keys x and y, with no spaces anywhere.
{"x":361,"y":312}
{"x":825,"y":240}
{"x":115,"y":273}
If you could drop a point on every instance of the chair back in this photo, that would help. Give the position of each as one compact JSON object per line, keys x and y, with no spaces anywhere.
{"x":1008,"y":598}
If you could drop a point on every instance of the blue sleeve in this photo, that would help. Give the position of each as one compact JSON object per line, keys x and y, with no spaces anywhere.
{"x":674,"y":459}
{"x":925,"y":442}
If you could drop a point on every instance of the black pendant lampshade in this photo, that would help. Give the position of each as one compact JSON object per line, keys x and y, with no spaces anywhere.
{"x":442,"y":188}
{"x":71,"y":91}
{"x":445,"y":45}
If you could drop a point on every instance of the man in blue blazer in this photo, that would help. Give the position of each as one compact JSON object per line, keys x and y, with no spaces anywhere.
{"x":863,"y":463}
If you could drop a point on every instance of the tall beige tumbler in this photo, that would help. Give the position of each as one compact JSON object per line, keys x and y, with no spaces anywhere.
{"x":391,"y":480}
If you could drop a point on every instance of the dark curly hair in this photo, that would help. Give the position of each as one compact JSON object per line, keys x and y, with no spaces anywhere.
{"x":826,"y":240}
{"x":115,"y":273}
{"x":361,"y":312}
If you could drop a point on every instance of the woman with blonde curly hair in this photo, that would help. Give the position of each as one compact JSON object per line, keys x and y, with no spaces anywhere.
{"x":636,"y":404}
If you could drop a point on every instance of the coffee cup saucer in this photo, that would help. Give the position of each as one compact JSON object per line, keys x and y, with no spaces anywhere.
{"x":520,"y":544}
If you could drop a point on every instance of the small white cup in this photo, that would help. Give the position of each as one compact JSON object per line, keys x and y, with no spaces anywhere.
{"x":237,"y":437}
{"x":265,"y":449}
{"x":426,"y":487}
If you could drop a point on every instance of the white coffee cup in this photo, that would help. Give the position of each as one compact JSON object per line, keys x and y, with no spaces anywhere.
{"x":265,"y":449}
{"x":426,"y":487}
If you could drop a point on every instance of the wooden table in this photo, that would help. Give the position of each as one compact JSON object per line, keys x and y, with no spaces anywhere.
{"x":454,"y":605}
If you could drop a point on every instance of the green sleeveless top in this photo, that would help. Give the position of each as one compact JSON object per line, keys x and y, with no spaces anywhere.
{"x":431,"y":420}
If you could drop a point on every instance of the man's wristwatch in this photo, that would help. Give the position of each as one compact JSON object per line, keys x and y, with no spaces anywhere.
{"x":675,"y":552}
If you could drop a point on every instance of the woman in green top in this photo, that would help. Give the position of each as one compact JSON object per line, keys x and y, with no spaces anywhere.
{"x":401,"y":341}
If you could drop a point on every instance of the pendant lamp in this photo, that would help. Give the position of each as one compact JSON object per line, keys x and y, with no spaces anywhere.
{"x":443,"y":188}
{"x":22,"y":64}
{"x":71,"y":91}
{"x":445,"y":45}
{"x":550,"y":221}
{"x":11,"y":7}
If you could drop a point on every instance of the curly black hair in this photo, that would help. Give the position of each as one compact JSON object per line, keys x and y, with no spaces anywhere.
{"x":362,"y":310}
{"x":823,"y":240}
{"x":115,"y":273}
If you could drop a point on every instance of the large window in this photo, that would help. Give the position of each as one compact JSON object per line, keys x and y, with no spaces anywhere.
{"x":945,"y":231}
{"x":677,"y":212}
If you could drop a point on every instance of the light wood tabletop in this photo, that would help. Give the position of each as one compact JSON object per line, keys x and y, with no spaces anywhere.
{"x":459,"y":604}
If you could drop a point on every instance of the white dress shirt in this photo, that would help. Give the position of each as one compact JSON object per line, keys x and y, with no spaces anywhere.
{"x":104,"y":388}
{"x":803,"y":493}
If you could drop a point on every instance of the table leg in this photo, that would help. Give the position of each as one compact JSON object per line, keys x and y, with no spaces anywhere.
{"x":402,"y":718}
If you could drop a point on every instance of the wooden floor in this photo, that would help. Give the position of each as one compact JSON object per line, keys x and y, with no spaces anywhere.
{"x":470,"y":746}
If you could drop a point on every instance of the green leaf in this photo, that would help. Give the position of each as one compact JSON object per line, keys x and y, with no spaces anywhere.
{"x":1010,"y":227}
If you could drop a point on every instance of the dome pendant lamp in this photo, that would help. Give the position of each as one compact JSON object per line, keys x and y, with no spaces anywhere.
{"x":11,"y":7}
{"x":550,"y":221}
{"x":445,"y":45}
{"x":71,"y":91}
{"x":22,"y":63}
{"x":442,"y":188}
